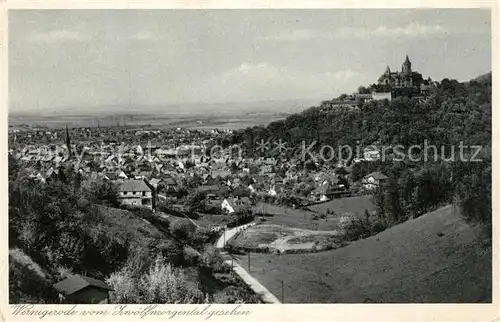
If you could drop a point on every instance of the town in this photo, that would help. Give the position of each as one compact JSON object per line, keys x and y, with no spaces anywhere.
{"x":236,"y":157}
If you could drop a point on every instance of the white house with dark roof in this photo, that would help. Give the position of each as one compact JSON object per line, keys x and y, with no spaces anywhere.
{"x":135,"y":193}
{"x":374,"y":180}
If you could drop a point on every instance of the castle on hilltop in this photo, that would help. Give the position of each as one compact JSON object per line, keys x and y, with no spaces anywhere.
{"x":406,"y":83}
{"x":406,"y":78}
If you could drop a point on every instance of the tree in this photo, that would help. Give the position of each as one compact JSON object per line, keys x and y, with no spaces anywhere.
{"x":196,"y":202}
{"x":183,"y":229}
{"x":363,"y":90}
{"x":102,"y":191}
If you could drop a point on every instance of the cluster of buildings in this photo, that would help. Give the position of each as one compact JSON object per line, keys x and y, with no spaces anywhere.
{"x":390,"y":84}
{"x":150,"y":174}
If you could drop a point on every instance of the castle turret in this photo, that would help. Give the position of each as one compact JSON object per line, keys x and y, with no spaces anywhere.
{"x":406,"y":69}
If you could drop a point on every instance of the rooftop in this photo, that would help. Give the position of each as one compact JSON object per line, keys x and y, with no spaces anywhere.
{"x":75,"y":283}
{"x":133,"y":185}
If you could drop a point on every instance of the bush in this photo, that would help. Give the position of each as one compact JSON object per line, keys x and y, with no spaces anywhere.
{"x":211,"y":258}
{"x":165,"y":284}
{"x":125,"y":287}
{"x":203,"y":236}
{"x":182,"y":230}
{"x":240,"y":217}
{"x":161,"y":284}
{"x":191,"y":256}
{"x":357,"y":227}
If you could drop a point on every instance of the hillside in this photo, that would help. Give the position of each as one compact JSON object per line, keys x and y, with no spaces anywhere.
{"x":28,"y":283}
{"x":425,"y":145}
{"x":436,"y":258}
{"x":485,"y":78}
{"x":32,"y":283}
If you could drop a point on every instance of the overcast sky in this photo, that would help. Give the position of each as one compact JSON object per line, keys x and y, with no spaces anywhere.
{"x":65,"y":58}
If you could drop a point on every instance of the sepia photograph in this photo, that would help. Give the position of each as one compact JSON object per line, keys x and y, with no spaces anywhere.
{"x":253,"y":156}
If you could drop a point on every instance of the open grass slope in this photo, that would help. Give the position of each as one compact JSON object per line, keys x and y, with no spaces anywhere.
{"x":125,"y":224}
{"x":436,"y":258}
{"x":353,"y":205}
{"x":308,"y":219}
{"x":298,"y":218}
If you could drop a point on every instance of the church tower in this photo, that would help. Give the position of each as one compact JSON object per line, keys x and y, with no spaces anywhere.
{"x":68,"y":143}
{"x":406,"y":69}
{"x":387,"y":70}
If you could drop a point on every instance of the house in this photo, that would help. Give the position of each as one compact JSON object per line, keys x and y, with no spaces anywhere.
{"x":209,"y":189}
{"x":122,"y":175}
{"x":374,"y":180}
{"x":265,"y":169}
{"x":223,"y":174}
{"x":169,"y":184}
{"x":111,"y":176}
{"x":77,"y":289}
{"x":135,"y":193}
{"x":371,"y":154}
{"x":321,"y":193}
{"x":231,"y":205}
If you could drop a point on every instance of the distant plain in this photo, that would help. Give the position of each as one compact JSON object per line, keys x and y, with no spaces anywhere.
{"x":227,"y":115}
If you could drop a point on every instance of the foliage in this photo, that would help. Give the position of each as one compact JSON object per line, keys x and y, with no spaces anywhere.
{"x":55,"y":225}
{"x":240,"y":217}
{"x":183,"y":229}
{"x":354,"y":227}
{"x":211,"y":258}
{"x":452,"y":114}
{"x":161,"y":284}
{"x":196,"y":202}
{"x":203,"y":236}
{"x":26,"y":286}
{"x":101,"y":191}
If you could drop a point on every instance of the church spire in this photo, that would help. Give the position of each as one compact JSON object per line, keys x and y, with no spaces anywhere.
{"x":68,"y":143}
{"x":388,"y":70}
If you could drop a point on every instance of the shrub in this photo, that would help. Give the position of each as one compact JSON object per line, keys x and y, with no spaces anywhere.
{"x":203,"y":236}
{"x":211,"y":258}
{"x":182,"y":230}
{"x":165,"y":284}
{"x":171,"y":251}
{"x":191,"y":256}
{"x":161,"y":284}
{"x":124,"y":286}
{"x":356,"y":227}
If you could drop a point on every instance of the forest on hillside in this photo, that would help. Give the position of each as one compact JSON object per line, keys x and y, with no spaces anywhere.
{"x":452,"y":114}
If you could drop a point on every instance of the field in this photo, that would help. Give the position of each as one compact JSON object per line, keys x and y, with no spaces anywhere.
{"x":343,"y":205}
{"x":433,"y":258}
{"x":284,"y":238}
{"x":305,"y":219}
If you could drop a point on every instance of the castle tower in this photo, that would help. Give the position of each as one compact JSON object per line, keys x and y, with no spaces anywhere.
{"x":406,"y":69}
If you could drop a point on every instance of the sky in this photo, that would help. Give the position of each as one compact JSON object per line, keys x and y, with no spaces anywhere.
{"x":62,"y":59}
